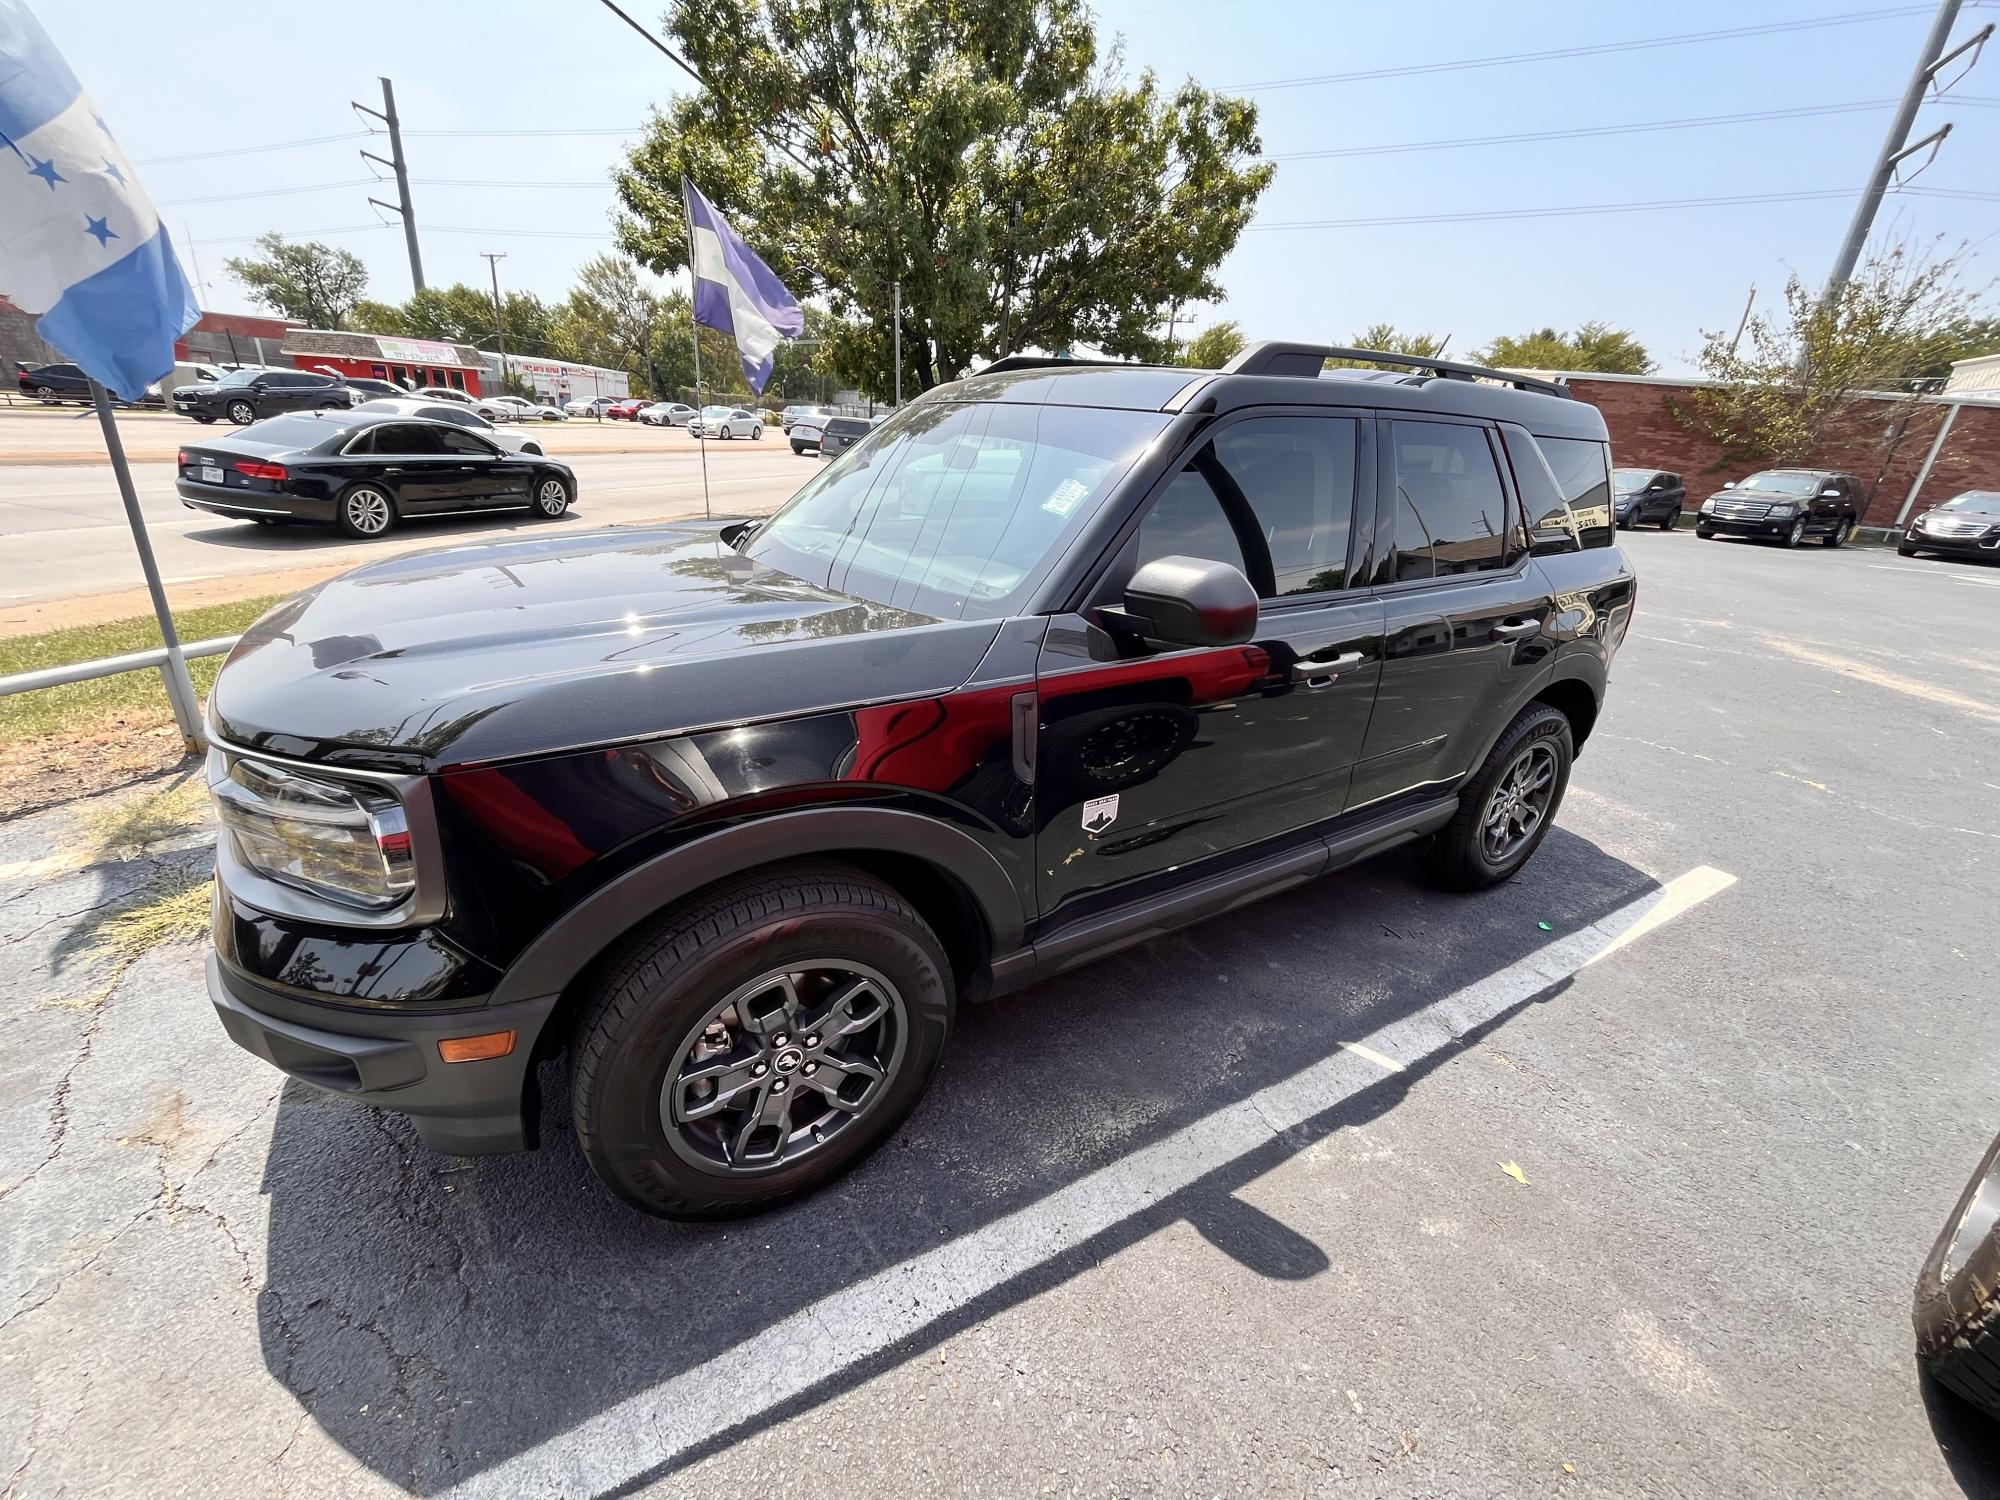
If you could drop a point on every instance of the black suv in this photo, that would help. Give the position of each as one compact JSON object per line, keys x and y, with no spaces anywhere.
{"x":1059,"y":658}
{"x":246,"y":396}
{"x":1784,"y":505}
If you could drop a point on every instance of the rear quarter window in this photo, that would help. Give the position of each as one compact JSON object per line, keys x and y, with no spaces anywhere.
{"x":1582,"y":470}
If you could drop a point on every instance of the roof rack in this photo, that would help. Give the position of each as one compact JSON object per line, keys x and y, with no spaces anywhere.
{"x":1047,"y":362}
{"x":1305,"y":361}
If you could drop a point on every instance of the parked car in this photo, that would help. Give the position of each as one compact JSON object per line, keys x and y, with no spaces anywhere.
{"x":792,"y":414}
{"x":737,"y":813}
{"x":838,"y":434}
{"x":626,"y":410}
{"x":246,"y":396}
{"x":368,"y":389}
{"x":521,"y":409}
{"x":667,"y":414}
{"x":54,"y":384}
{"x":805,"y":433}
{"x":362,"y":473}
{"x":596,"y":406}
{"x":458,"y":416}
{"x":1785,"y":505}
{"x":1966,"y":525}
{"x":487,"y":406}
{"x":1647,"y":497}
{"x":726,"y":422}
{"x":1957,"y":1322}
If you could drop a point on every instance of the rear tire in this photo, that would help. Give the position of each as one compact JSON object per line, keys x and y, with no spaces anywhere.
{"x":759,"y":938}
{"x":1956,"y":1311}
{"x":1838,"y":536}
{"x":365,"y":512}
{"x":1491,"y":837}
{"x":1670,"y":521}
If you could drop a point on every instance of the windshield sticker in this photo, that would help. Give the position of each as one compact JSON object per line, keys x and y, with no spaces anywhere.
{"x":1064,"y":499}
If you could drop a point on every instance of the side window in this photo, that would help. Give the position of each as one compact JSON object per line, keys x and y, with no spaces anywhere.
{"x":1583,"y":470}
{"x":1550,"y":524}
{"x":465,"y":443}
{"x":362,"y":442}
{"x":1279,"y":489}
{"x":408,"y":439}
{"x":1451,"y":511}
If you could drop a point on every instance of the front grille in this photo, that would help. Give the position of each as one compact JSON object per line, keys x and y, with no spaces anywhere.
{"x":1741,"y":510}
{"x":1957,"y":528}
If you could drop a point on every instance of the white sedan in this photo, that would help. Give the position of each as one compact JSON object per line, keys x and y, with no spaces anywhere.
{"x":459,"y":416}
{"x":726,"y":422}
{"x":667,"y":414}
{"x":520,"y":409}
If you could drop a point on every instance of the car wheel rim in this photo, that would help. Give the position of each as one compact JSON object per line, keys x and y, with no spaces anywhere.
{"x":1518,"y":804}
{"x":783,"y":1066}
{"x":1798,"y":532}
{"x":368,"y":512}
{"x":553,"y":499}
{"x":241,"y":413}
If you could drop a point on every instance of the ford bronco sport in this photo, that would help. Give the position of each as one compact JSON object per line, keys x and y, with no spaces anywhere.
{"x":735,"y":815}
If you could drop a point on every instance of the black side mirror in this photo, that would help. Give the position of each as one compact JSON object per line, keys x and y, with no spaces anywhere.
{"x":1190,"y":601}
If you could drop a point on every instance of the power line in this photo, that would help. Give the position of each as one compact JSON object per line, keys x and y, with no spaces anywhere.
{"x":501,"y":182}
{"x":315,"y":140}
{"x":1552,"y":54}
{"x":282,"y":192}
{"x":1569,"y":211}
{"x":552,"y":131}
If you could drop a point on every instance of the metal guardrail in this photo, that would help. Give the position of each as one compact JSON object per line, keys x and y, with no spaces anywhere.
{"x":109,"y":666}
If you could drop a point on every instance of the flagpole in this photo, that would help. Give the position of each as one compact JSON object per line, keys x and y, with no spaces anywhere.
{"x":180,"y":687}
{"x":687,"y":215}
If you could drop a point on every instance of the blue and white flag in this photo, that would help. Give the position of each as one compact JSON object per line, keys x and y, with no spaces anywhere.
{"x":79,"y":241}
{"x":736,"y":292}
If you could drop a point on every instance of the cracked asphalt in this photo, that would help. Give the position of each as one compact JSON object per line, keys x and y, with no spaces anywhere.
{"x":1738,"y":1134}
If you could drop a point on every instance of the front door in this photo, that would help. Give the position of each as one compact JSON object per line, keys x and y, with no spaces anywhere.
{"x":1148,"y":761}
{"x":490,"y":477}
{"x":427,"y":477}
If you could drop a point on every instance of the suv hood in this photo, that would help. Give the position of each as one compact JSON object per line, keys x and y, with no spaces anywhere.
{"x":501,"y":650}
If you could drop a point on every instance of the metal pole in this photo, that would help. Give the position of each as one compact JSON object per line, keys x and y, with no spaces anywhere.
{"x":1944,"y":431}
{"x":1743,"y":322}
{"x":180,"y":687}
{"x":899,"y":345}
{"x":1892,"y":151}
{"x":687,"y":211}
{"x":493,"y":260}
{"x":387,"y":115}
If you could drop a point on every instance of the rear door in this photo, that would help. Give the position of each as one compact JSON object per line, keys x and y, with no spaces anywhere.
{"x":1147,"y":761}
{"x":1464,"y":605}
{"x":415,"y":464}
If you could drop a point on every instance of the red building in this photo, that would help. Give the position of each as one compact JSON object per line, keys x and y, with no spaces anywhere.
{"x":381,"y":356}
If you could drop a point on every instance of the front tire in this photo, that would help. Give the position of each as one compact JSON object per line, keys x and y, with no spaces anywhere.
{"x":1956,"y":1311}
{"x":364,"y":512}
{"x":552,"y":497}
{"x":1904,"y":549}
{"x":242,"y":413}
{"x":1504,"y":813}
{"x":1704,"y":533}
{"x":207,"y":419}
{"x":1796,"y":535}
{"x":689,"y":1075}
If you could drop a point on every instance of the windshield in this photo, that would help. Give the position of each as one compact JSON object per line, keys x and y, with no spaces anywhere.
{"x":715,"y":411}
{"x":1773,"y":483}
{"x":955,"y":509}
{"x":1977,"y":502}
{"x":1625,"y":481}
{"x":239,"y":377}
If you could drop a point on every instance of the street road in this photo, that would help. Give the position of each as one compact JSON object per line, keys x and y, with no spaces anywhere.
{"x":63,"y":531}
{"x":1224,"y":1215}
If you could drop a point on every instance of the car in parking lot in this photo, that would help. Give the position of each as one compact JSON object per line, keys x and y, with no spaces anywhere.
{"x":362,"y":473}
{"x":794,"y":414}
{"x":457,"y":416}
{"x":595,"y":406}
{"x":667,"y":414}
{"x":805,"y":433}
{"x":838,"y":434}
{"x":521,"y":409}
{"x":1647,"y":497}
{"x":246,"y":396}
{"x":1784,"y":505}
{"x":626,"y":410}
{"x":1966,"y":525}
{"x":726,"y":422}
{"x":53,"y":384}
{"x":366,"y":388}
{"x":1061,"y":657}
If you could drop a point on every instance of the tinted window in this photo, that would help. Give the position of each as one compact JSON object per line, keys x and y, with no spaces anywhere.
{"x":1582,"y":469}
{"x":286,"y":379}
{"x":411,"y":438}
{"x":1542,"y":500}
{"x":465,"y":442}
{"x":299,"y":431}
{"x":1290,"y":482}
{"x":1451,"y":512}
{"x":364,"y":442}
{"x":847,"y":426}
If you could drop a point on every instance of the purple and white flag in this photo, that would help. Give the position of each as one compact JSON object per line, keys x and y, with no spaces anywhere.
{"x":736,"y":292}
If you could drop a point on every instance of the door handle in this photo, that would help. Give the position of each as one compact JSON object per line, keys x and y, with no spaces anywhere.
{"x":1319,"y":674}
{"x":1515,"y":630}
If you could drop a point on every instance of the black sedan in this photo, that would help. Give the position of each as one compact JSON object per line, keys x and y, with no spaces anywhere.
{"x":363,"y":472}
{"x":1966,"y":525}
{"x":1647,"y":497}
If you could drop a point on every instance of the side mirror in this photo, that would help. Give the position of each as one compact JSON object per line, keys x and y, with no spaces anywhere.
{"x":1191,"y":601}
{"x":1829,"y":493}
{"x":1729,"y":484}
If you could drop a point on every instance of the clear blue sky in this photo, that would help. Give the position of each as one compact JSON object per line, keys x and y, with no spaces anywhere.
{"x":180,"y":79}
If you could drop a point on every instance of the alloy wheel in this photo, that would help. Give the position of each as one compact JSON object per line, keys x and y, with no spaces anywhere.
{"x":242,"y":413}
{"x":552,"y":499}
{"x":1518,"y":803}
{"x":1797,"y":534}
{"x":782,"y":1066}
{"x":367,"y":511}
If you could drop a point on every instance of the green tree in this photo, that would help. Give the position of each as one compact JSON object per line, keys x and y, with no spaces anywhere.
{"x":980,"y":154}
{"x":1215,"y":346}
{"x":1596,"y":347}
{"x":1817,"y":369}
{"x":370,"y":316}
{"x":1969,"y":339}
{"x":1390,"y":340}
{"x":463,"y":314}
{"x":315,"y":284}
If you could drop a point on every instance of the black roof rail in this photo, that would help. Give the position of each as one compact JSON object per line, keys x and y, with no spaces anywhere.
{"x":1050,"y":362}
{"x":1305,"y":361}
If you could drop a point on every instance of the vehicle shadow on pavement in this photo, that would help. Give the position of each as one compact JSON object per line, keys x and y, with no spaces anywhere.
{"x":247,"y":536}
{"x":1968,"y":1439}
{"x":437,"y":1316}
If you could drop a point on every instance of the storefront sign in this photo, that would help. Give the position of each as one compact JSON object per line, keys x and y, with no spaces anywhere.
{"x":418,"y":351}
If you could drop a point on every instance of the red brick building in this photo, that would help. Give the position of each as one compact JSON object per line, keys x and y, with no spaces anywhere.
{"x":1885,"y":445}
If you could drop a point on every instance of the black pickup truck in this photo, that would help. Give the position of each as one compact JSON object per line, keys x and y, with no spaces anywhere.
{"x":736,"y":814}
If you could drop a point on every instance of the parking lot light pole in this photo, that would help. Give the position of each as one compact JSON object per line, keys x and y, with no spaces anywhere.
{"x":899,"y":345}
{"x":493,"y":259}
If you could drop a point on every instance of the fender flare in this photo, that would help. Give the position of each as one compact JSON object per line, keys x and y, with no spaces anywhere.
{"x":562,"y":951}
{"x":1571,"y":666}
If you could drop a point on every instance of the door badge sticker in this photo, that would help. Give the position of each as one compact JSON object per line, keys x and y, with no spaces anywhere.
{"x":1099,"y":813}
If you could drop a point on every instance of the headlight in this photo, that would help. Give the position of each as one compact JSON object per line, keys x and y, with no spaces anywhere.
{"x":1707,"y":505}
{"x":1782,"y":510}
{"x":344,"y":843}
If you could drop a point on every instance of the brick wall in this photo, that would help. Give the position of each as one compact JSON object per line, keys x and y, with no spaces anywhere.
{"x":19,"y":341}
{"x":1644,"y":435}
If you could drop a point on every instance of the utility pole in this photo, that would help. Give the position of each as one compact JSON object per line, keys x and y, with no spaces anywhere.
{"x":899,"y":346}
{"x":1007,"y":286}
{"x":1894,"y":151}
{"x":493,"y":259}
{"x":1744,"y":321}
{"x":1174,"y":320}
{"x":387,"y":115}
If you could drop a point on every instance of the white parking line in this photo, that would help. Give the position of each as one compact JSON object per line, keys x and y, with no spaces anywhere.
{"x":858,"y":1322}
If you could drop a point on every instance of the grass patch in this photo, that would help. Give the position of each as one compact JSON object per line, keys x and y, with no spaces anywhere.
{"x":131,"y":825}
{"x":138,"y":696}
{"x":177,"y":915}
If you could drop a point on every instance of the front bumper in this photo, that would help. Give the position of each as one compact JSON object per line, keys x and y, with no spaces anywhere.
{"x":227,"y":501}
{"x":1725,"y":527}
{"x":1956,"y":546}
{"x":389,"y":1059}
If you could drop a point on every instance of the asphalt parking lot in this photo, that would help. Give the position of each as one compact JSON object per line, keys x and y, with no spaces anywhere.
{"x":1228,"y":1214}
